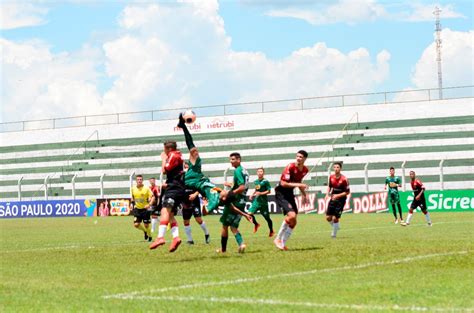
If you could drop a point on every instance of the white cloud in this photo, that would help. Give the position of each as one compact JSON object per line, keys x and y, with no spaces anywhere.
{"x":457,"y":67}
{"x":360,"y":11}
{"x":38,"y":84}
{"x":344,"y":11}
{"x":166,"y":56}
{"x":457,"y":61}
{"x":419,"y":12}
{"x":21,"y":14}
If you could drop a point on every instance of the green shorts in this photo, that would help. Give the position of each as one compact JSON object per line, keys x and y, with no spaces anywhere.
{"x":258,"y":207}
{"x":229,"y":218}
{"x":394,"y":197}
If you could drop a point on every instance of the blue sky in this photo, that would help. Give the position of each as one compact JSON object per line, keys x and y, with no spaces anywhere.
{"x":275,"y":29}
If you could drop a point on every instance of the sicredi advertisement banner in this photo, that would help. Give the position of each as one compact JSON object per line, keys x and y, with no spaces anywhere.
{"x":48,"y":208}
{"x":442,"y":200}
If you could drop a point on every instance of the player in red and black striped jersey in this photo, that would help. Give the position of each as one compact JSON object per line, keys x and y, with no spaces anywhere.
{"x":174,"y":194}
{"x":419,"y":200}
{"x":290,"y":179}
{"x":338,"y":190}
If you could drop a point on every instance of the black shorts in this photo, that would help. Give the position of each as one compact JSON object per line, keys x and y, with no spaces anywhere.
{"x":141,"y":215}
{"x":173,"y":198}
{"x":191,"y":208}
{"x":419,"y":204}
{"x":155,"y":210}
{"x":335,"y":207}
{"x":285,"y":200}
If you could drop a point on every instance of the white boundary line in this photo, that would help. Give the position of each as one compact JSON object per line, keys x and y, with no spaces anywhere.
{"x":280,"y":275}
{"x":252,"y":301}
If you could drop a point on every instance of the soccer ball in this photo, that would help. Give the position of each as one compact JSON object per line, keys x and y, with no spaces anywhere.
{"x":189,"y":116}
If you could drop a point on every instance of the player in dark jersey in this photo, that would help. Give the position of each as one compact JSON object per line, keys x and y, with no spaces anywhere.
{"x":338,"y":190}
{"x":192,"y":207}
{"x":154,"y":209}
{"x":174,"y":194}
{"x":419,"y":200}
{"x":290,"y":179}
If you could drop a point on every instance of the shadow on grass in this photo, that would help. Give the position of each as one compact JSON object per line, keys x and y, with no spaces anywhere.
{"x":305,"y":249}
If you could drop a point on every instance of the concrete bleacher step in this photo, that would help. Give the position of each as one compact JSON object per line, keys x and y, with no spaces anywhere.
{"x":210,"y":136}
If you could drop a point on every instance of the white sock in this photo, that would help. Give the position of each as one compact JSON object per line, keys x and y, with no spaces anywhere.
{"x":282,"y":230}
{"x":154,"y":221}
{"x":187,"y":230}
{"x":428,"y":218}
{"x":409,"y":217}
{"x":335,"y":228}
{"x":175,"y":231}
{"x":286,"y":235}
{"x":162,"y":230}
{"x":204,"y":228}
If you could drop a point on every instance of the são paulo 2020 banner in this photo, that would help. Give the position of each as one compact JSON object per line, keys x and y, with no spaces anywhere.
{"x":48,"y":208}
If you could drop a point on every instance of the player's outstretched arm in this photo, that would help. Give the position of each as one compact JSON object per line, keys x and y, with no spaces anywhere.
{"x":240,"y":212}
{"x":286,"y":184}
{"x":187,"y":134}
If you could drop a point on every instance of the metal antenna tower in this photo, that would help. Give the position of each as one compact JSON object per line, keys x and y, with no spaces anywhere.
{"x":437,"y":12}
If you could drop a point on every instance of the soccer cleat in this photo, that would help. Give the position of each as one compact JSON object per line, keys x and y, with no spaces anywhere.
{"x":145,"y":235}
{"x":181,"y":122}
{"x":285,"y":248}
{"x":278,"y":244}
{"x":190,"y":242}
{"x":219,"y":251}
{"x":271,"y":233}
{"x":175,"y":244}
{"x":396,"y":221}
{"x":158,"y":242}
{"x":207,"y":239}
{"x":404,"y":224}
{"x":430,"y":224}
{"x":242,"y":248}
{"x":150,"y":239}
{"x":255,"y":228}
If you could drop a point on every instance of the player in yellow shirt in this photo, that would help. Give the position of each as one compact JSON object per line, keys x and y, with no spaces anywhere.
{"x":141,"y":199}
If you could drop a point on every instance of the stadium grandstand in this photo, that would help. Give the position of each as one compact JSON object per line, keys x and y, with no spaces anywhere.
{"x":97,"y":156}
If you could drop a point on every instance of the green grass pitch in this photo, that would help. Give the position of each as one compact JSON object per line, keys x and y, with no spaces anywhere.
{"x":103,"y":264}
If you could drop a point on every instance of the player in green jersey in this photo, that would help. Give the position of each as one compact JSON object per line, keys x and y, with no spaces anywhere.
{"x":194,"y":178}
{"x":393,"y":182}
{"x":234,"y":201}
{"x":260,"y":201}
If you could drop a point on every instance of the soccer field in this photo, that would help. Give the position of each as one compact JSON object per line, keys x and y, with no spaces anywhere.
{"x":103,"y":264}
